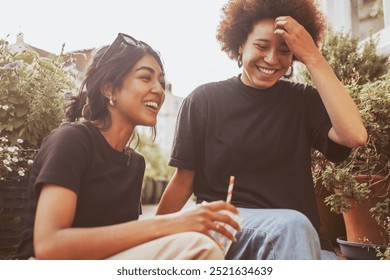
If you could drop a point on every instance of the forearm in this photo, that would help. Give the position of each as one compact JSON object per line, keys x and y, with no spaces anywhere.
{"x":177,"y":193}
{"x":100,"y":242}
{"x":348,"y":128}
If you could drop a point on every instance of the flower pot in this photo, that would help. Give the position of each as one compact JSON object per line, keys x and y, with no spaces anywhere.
{"x":357,"y":251}
{"x":359,"y":223}
{"x":13,"y":210}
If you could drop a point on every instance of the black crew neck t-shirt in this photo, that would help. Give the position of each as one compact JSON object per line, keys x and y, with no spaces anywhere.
{"x":107,"y":182}
{"x":263,"y":137}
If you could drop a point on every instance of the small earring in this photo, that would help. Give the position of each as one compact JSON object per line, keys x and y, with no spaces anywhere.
{"x":239,"y":61}
{"x":112,"y":102}
{"x":289,"y":75}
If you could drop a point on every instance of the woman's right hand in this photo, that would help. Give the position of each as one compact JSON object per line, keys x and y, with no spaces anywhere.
{"x":206,"y":217}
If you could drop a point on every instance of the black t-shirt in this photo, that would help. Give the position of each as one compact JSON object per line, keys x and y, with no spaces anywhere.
{"x":262,"y":137}
{"x":107,"y":182}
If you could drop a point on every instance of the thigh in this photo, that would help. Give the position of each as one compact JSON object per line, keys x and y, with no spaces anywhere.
{"x":255,"y":240}
{"x":180,"y":246}
{"x":275,"y":234}
{"x":274,"y":221}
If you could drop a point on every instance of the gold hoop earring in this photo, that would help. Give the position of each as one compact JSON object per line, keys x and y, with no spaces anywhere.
{"x":239,"y":61}
{"x":289,"y":75}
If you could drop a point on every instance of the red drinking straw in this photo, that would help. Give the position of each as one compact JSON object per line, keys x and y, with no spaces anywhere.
{"x":228,"y":200}
{"x":230,"y":189}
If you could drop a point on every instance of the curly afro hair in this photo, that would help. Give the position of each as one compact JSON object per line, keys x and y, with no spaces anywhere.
{"x":239,"y":16}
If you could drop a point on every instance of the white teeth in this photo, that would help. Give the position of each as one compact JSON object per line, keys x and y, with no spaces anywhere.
{"x":266,"y":71}
{"x":152,"y":104}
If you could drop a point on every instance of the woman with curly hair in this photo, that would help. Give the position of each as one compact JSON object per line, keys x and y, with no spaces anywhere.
{"x":260,"y":127}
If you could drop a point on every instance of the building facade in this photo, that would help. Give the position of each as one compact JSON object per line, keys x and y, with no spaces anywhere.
{"x":361,"y":18}
{"x":166,"y":120}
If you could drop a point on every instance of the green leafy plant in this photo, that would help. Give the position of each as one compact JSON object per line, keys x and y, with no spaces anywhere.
{"x":366,"y":77}
{"x":373,"y":101}
{"x":157,"y":173}
{"x":15,"y":160}
{"x":352,"y":63}
{"x":365,"y":74}
{"x":381,"y":212}
{"x":371,"y":160}
{"x":31,"y":105}
{"x":31,"y":95}
{"x":156,"y":161}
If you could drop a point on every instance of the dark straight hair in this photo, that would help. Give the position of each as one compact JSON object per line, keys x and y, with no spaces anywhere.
{"x":90,"y":103}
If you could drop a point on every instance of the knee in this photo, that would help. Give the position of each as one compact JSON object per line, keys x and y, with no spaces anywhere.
{"x":293,"y":219}
{"x":297,"y":218}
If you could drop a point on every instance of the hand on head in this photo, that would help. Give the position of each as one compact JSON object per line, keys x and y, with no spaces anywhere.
{"x":297,"y":38}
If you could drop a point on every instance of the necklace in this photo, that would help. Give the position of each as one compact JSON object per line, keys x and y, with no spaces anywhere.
{"x":128,"y":152}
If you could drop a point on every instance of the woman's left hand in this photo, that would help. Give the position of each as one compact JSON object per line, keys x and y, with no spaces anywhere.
{"x":298,"y":39}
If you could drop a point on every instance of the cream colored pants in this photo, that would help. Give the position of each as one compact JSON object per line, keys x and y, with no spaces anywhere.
{"x":180,"y":246}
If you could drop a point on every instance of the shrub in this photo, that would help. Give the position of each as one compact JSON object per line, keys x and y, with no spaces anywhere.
{"x":31,"y":95}
{"x":366,"y":76}
{"x":352,"y":63}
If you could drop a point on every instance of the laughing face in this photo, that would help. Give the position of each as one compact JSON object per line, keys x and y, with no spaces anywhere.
{"x":142,"y":93}
{"x":265,"y":56}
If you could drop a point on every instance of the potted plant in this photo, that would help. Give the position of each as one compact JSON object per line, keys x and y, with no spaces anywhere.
{"x":332,"y":224}
{"x":31,"y":105}
{"x":363,"y":72}
{"x":362,"y":182}
{"x":15,"y":162}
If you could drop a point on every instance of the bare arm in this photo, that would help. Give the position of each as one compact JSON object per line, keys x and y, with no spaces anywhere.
{"x":177,"y":193}
{"x":54,"y":238}
{"x":348,"y":128}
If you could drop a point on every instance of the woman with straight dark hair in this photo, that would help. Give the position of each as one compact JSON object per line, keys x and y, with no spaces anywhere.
{"x":86,"y":180}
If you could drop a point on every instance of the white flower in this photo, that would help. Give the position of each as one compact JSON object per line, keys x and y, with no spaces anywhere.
{"x":15,"y":161}
{"x":13,"y":65}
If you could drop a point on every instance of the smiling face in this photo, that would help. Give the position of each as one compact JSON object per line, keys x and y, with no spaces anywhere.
{"x":141,"y":96}
{"x":265,"y":56}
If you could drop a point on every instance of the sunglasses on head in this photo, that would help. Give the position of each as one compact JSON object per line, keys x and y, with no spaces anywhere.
{"x":120,"y":39}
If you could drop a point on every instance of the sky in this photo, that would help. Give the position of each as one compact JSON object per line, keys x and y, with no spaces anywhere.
{"x":183,"y":31}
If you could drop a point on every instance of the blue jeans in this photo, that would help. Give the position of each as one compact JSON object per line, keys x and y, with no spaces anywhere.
{"x":276,"y":234}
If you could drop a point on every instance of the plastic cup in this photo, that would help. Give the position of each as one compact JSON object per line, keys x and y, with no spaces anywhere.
{"x":222,"y":240}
